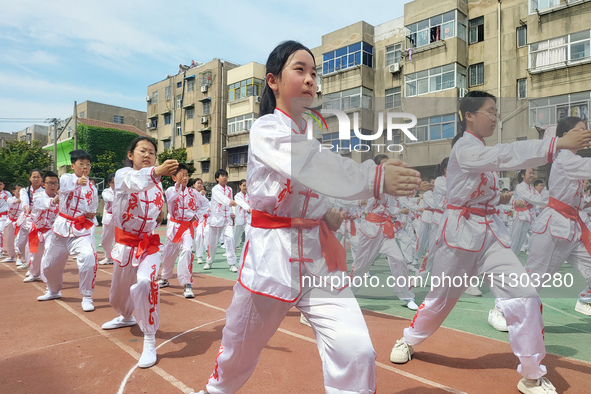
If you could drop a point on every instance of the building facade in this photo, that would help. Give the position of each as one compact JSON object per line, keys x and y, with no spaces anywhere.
{"x":112,"y":114}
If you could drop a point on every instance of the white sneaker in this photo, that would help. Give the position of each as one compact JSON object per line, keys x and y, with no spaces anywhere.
{"x":200,"y":392}
{"x":199,"y":260}
{"x":22,"y":266}
{"x":8,"y":260}
{"x":163,"y":283}
{"x":411,"y":304}
{"x":28,"y":273}
{"x":19,"y":262}
{"x":225,"y":254}
{"x":87,"y":305}
{"x":536,"y":386}
{"x":50,"y":296}
{"x":473,"y":291}
{"x":32,"y":278}
{"x":401,"y":352}
{"x":148,"y":357}
{"x":233,"y":268}
{"x":106,"y":261}
{"x":118,"y":322}
{"x":188,"y":293}
{"x":497,"y":320}
{"x":207,"y":266}
{"x":304,"y":321}
{"x":583,"y":307}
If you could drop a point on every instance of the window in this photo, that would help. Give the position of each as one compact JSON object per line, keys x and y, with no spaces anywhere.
{"x":240,"y":123}
{"x":560,"y":51}
{"x":550,"y":110}
{"x":179,"y":85}
{"x":238,"y":156}
{"x":81,"y":114}
{"x":205,"y":167}
{"x":190,"y":112}
{"x":154,"y":97}
{"x":167,"y":93}
{"x":522,"y":88}
{"x":69,"y":133}
{"x":206,"y":107}
{"x":476,"y":74}
{"x":118,"y":119}
{"x":437,"y":28}
{"x":347,"y":145}
{"x":476,"y":30}
{"x":167,"y":119}
{"x":539,"y":5}
{"x":434,"y":128}
{"x":434,"y":80}
{"x":190,"y":84}
{"x":166,"y":144}
{"x":189,"y":140}
{"x":521,"y":36}
{"x":349,"y":56}
{"x":178,"y":129}
{"x":205,"y":78}
{"x":393,"y":97}
{"x":153,"y":122}
{"x":205,"y":137}
{"x":393,"y":54}
{"x":347,"y":99}
{"x":179,"y":101}
{"x":245,"y":88}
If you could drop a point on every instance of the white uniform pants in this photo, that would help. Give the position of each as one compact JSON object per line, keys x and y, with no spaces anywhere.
{"x":3,"y":221}
{"x":184,"y":269}
{"x":423,"y":238}
{"x":520,"y":305}
{"x":21,"y":243}
{"x":108,"y":238}
{"x":427,"y":263}
{"x":348,"y":357}
{"x":519,"y":234}
{"x":135,"y":288}
{"x":407,"y":243}
{"x":9,"y":238}
{"x":200,"y":242}
{"x":56,"y":255}
{"x":36,"y":258}
{"x":240,"y":229}
{"x":214,"y":234}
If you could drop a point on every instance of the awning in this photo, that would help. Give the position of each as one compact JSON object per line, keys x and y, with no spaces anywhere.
{"x":205,"y":99}
{"x":235,"y":146}
{"x":63,"y":152}
{"x":203,"y":159}
{"x":190,"y":76}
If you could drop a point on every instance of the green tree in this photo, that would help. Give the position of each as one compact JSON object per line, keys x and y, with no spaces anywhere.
{"x":174,"y":154}
{"x":104,"y":165}
{"x":102,"y":140}
{"x":19,"y":158}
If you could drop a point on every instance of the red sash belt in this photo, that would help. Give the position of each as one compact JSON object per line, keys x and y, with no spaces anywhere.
{"x":333,"y":252}
{"x":389,"y":227}
{"x":572,"y":213}
{"x":4,"y":214}
{"x":148,"y":243}
{"x":352,"y":223}
{"x":34,"y":237}
{"x":79,"y":221}
{"x":184,"y":226}
{"x":467,"y":211}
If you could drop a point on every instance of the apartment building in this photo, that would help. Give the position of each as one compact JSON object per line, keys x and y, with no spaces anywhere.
{"x":112,"y":114}
{"x":34,"y":132}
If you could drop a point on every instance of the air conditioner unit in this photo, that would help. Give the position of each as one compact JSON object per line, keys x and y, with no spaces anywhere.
{"x":204,"y":119}
{"x":148,"y":98}
{"x":148,"y":125}
{"x":203,"y":88}
{"x":257,"y":99}
{"x":394,"y":68}
{"x":319,"y":88}
{"x":462,"y":92}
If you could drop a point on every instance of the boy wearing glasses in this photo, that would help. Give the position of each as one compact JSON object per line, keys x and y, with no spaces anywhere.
{"x":78,"y":202}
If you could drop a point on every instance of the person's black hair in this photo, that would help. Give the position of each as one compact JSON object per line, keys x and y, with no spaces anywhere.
{"x":19,"y":184}
{"x":275,"y":64}
{"x":567,"y":124}
{"x":3,"y":181}
{"x":520,"y":176}
{"x":181,"y":167}
{"x":50,"y":174}
{"x":504,"y":190}
{"x":79,"y":154}
{"x":471,"y":102}
{"x":133,"y":144}
{"x":220,"y":172}
{"x":110,"y":177}
{"x":36,"y":170}
{"x":440,"y":169}
{"x":378,"y":159}
{"x":241,"y":182}
{"x":537,"y":182}
{"x":190,"y":182}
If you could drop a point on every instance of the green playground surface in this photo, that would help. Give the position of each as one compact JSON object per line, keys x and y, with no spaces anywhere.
{"x":567,"y":333}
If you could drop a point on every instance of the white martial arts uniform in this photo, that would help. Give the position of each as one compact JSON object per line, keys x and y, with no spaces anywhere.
{"x":242,"y":217}
{"x":43,"y":214}
{"x":286,"y":175}
{"x":24,"y":221}
{"x":406,"y":235}
{"x":182,"y":209}
{"x":202,"y":229}
{"x":108,"y":234}
{"x":472,"y":240}
{"x":4,"y":195}
{"x":351,"y":211}
{"x":557,"y":233}
{"x":424,"y":234}
{"x":439,"y":204}
{"x":221,"y":224}
{"x":72,"y":235}
{"x":137,"y":204}
{"x":523,"y":217}
{"x":11,"y":229}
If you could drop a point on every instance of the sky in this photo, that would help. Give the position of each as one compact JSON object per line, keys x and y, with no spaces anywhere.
{"x":53,"y":53}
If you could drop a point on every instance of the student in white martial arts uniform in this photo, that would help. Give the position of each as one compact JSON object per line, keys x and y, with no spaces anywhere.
{"x":183,"y":204}
{"x":24,"y":221}
{"x":243,"y":213}
{"x":472,"y":240}
{"x":10,"y":229}
{"x":78,"y":201}
{"x":288,"y":176}
{"x":351,"y":212}
{"x":45,"y":209}
{"x":424,"y":234}
{"x":559,"y":233}
{"x":221,"y":221}
{"x":4,"y":195}
{"x":137,"y":211}
{"x":200,"y":223}
{"x":523,"y":217}
{"x":108,"y":233}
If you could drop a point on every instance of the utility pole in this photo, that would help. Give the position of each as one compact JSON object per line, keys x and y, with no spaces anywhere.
{"x":75,"y":125}
{"x":55,"y":145}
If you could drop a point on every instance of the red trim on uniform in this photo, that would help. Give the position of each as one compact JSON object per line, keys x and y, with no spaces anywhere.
{"x":376,"y":184}
{"x":572,"y":213}
{"x":481,"y":140}
{"x":149,"y":243}
{"x":79,"y":222}
{"x":551,"y":150}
